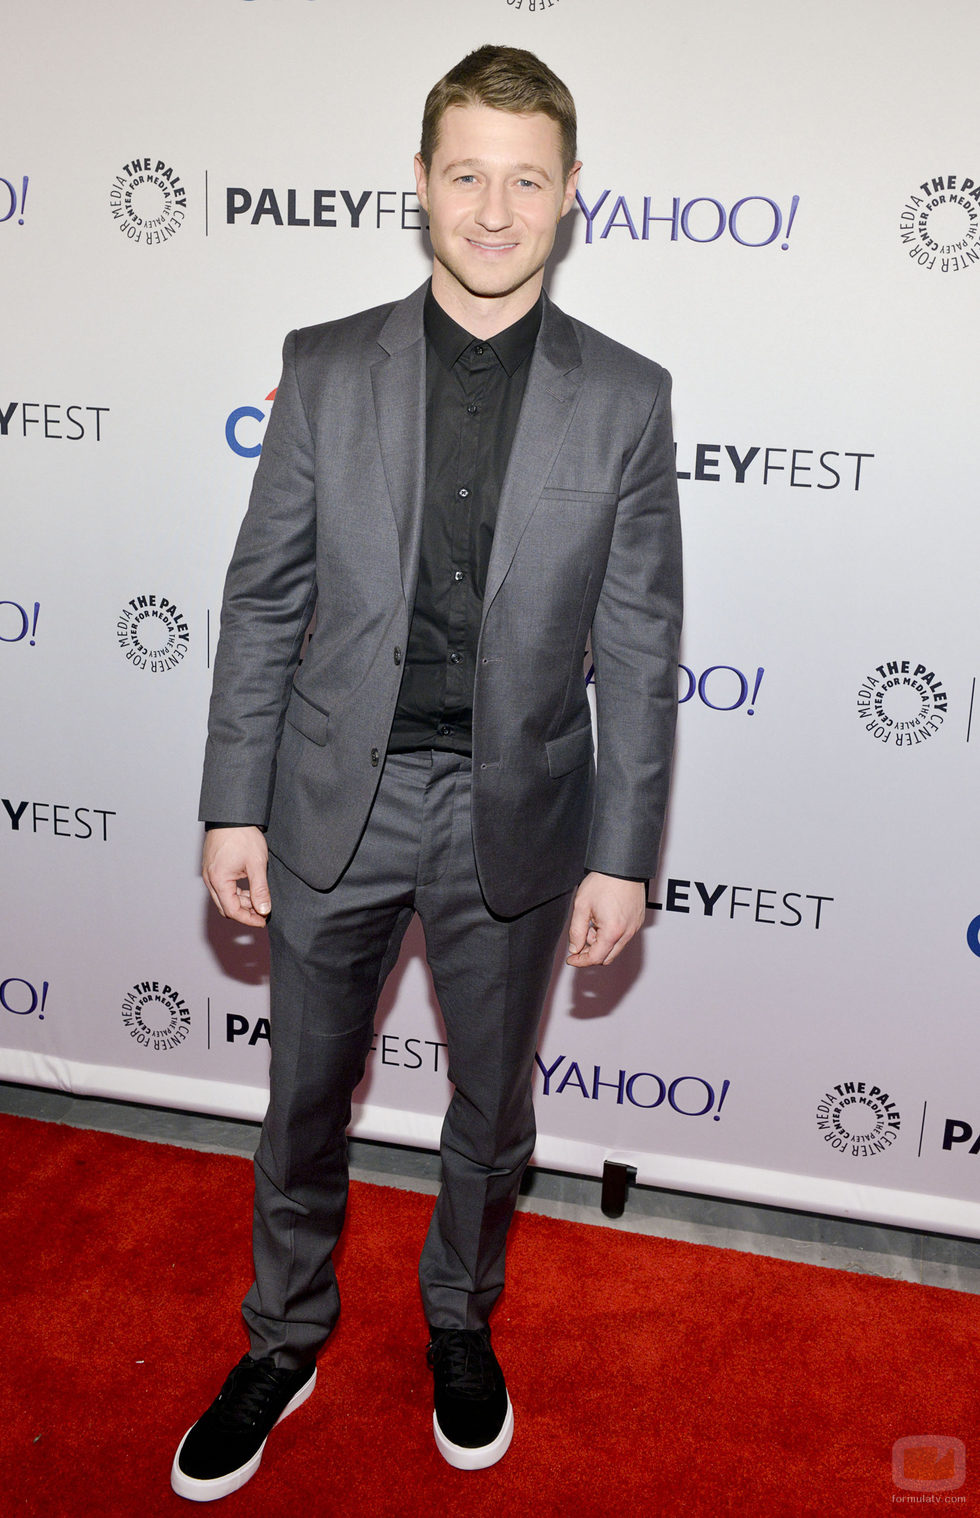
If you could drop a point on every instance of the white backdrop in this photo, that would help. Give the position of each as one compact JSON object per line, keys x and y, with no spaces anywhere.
{"x":777,"y":203}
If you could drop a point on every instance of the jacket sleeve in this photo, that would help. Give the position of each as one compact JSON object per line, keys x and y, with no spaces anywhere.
{"x":635,"y":636}
{"x":269,"y":598}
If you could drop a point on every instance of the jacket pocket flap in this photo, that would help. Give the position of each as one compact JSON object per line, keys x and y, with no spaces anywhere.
{"x":306,"y":718}
{"x":568,"y":752}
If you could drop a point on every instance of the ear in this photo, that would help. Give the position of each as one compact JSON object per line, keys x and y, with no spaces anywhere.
{"x":421,"y":182}
{"x":571,"y":185}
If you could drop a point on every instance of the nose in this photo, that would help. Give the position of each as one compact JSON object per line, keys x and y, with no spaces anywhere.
{"x":494,"y":212}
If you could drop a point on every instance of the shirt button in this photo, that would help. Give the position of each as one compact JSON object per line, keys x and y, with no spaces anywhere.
{"x":455,"y":658}
{"x":444,"y":731}
{"x":472,"y":410}
{"x":375,"y":757}
{"x":462,"y":492}
{"x":398,"y":656}
{"x":459,"y":575}
{"x":478,"y":350}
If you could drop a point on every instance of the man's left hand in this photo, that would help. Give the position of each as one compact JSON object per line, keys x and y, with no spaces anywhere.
{"x":607,"y":913}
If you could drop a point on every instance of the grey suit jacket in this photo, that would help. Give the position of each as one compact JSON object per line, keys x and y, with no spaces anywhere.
{"x":587,"y":536}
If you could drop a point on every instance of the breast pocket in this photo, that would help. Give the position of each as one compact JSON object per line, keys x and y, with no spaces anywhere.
{"x":576,"y":497}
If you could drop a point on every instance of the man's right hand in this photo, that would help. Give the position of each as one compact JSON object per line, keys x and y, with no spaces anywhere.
{"x":234,"y":872}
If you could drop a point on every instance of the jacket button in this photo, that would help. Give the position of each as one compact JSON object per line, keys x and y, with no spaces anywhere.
{"x":375,"y":757}
{"x":398,"y":656}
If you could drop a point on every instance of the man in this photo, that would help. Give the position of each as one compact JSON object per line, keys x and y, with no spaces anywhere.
{"x":463,"y":484}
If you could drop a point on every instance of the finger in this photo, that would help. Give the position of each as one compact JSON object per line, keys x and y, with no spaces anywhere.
{"x":602,"y":942}
{"x":243,"y":909}
{"x":605,"y":942}
{"x":244,"y":913}
{"x":258,"y":890}
{"x":233,"y":902}
{"x":214,"y":896}
{"x":618,"y":946}
{"x":579,"y":927}
{"x":222,"y":893}
{"x":585,"y":954}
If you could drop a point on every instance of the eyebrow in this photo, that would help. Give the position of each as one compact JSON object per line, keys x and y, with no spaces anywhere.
{"x":514,"y":168}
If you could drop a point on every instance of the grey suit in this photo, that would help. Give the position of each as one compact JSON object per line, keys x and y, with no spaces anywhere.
{"x":587,"y":536}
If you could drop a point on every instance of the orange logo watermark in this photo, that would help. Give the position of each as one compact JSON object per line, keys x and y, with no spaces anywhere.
{"x":928,"y":1463}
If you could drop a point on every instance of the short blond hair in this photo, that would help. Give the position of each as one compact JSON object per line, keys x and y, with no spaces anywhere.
{"x":507,"y":79}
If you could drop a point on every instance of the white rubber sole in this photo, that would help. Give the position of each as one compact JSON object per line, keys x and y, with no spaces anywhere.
{"x":465,"y":1459}
{"x":223,"y":1486}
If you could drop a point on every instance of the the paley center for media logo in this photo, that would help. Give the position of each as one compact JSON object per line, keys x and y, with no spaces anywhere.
{"x":940,"y":224}
{"x":858,"y":1119}
{"x":902,"y":702}
{"x":148,"y":201}
{"x":153,"y":633}
{"x":155,"y":1015}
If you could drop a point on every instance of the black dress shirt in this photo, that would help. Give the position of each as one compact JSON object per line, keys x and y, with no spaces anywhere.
{"x":474,"y":391}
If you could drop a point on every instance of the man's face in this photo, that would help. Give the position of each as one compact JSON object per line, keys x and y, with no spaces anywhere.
{"x":494,"y":193}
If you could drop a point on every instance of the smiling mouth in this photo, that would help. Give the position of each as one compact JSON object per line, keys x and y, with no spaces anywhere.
{"x":491,"y":247}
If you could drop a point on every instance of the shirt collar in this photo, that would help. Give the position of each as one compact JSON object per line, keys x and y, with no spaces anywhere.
{"x":449,"y":339}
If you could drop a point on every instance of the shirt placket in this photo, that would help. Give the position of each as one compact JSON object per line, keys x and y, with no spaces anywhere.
{"x":473,"y":370}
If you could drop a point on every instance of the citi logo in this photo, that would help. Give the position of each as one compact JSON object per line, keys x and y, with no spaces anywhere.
{"x":246,"y":418}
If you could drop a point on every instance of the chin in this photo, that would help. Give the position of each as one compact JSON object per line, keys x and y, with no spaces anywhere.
{"x":487,"y":284}
{"x":488,"y":288}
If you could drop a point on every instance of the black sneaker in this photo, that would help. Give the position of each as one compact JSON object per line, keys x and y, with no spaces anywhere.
{"x":473,"y":1420}
{"x":224,"y":1448}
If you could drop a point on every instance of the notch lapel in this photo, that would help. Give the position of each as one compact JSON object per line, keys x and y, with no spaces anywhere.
{"x":549,"y":403}
{"x":398,"y":383}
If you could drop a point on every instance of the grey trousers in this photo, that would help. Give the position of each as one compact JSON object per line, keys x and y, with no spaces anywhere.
{"x":331,"y":952}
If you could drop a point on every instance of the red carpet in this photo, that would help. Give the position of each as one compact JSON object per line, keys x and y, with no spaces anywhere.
{"x":647,"y":1376}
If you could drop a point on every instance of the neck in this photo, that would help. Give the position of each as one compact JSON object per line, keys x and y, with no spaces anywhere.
{"x":483,"y":315}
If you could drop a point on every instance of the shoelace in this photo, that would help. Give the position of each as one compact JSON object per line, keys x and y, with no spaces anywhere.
{"x":463,"y":1360}
{"x":245,"y":1394}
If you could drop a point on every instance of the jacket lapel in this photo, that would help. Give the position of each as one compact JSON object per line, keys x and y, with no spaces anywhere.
{"x":549,"y":402}
{"x":398,"y":382}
